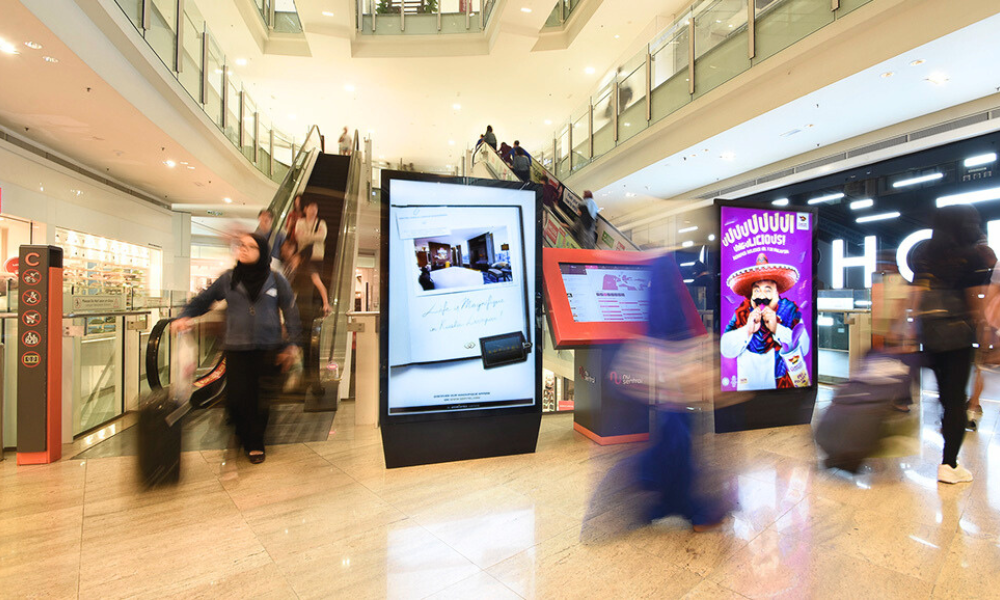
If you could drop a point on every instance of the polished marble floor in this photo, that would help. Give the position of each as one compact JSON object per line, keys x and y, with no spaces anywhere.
{"x":326,"y":520}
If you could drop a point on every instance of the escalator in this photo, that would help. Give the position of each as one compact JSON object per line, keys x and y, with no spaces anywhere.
{"x":334,"y":183}
{"x":558,"y":220}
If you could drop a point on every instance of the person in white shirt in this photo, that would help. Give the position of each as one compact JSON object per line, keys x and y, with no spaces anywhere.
{"x":310,"y":230}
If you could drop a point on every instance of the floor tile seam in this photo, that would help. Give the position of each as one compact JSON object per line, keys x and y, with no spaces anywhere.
{"x":481,"y":572}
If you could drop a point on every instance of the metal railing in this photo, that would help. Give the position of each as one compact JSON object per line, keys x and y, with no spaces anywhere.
{"x":421,"y":17}
{"x":180,"y":37}
{"x":561,"y":12}
{"x":279,"y":15}
{"x":708,"y":44}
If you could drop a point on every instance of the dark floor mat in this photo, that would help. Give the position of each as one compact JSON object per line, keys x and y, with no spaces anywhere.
{"x":207,"y":430}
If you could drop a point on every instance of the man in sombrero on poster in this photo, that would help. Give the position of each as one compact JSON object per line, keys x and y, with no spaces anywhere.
{"x":763,"y":326}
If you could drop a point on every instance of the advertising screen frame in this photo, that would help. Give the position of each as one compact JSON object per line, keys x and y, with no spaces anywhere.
{"x":567,"y":332}
{"x":411,"y":438}
{"x":771,"y":407}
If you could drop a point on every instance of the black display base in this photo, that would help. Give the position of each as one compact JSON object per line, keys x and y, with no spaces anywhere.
{"x":767,"y":409}
{"x":457,"y":438}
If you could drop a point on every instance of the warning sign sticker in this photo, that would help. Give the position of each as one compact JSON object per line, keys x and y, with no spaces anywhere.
{"x":31,"y":359}
{"x":31,"y":317}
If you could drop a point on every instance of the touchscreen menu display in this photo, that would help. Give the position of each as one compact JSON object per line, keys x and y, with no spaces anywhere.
{"x":607,"y":293}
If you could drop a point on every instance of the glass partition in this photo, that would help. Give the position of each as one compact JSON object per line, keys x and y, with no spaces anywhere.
{"x":193,"y":46}
{"x":581,"y":138}
{"x":234,"y":107}
{"x":669,"y":72}
{"x":133,"y":10}
{"x":162,"y":33}
{"x":721,"y":43}
{"x":423,"y":17}
{"x":264,"y":144}
{"x":562,"y":153}
{"x":847,"y":6}
{"x":781,"y":23}
{"x":216,"y":81}
{"x":249,"y":126}
{"x":632,"y":98}
{"x":604,"y":132}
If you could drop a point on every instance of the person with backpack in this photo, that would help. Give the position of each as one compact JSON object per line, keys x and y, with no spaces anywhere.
{"x":951,"y":276}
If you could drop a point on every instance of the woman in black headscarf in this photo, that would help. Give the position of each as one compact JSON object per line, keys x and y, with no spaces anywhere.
{"x":254,"y":344}
{"x":950,"y":276}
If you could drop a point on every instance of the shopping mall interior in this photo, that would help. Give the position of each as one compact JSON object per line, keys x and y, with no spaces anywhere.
{"x":503,"y":387}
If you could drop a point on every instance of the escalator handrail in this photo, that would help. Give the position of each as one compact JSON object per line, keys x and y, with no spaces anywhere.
{"x":206,"y":388}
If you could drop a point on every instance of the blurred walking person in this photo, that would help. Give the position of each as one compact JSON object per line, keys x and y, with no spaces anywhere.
{"x":951,"y":273}
{"x":255,"y":350}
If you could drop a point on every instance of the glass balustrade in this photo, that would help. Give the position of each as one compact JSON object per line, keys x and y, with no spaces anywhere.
{"x":201,"y":68}
{"x":423,"y":17}
{"x":709,"y":42}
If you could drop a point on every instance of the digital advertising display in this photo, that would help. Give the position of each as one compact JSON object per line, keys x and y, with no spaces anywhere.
{"x":766,"y":299}
{"x":461,"y":298}
{"x":607,"y":293}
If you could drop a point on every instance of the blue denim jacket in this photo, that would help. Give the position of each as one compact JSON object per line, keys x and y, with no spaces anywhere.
{"x":251,"y":326}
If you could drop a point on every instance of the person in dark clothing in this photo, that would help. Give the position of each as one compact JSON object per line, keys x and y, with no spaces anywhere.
{"x":548,"y":192}
{"x":522,"y":165}
{"x":265,"y":226}
{"x":312,"y":301}
{"x":255,"y":350}
{"x":505,"y":154}
{"x":490,"y":138}
{"x":950,"y":275}
{"x":425,"y":280}
{"x":513,"y":150}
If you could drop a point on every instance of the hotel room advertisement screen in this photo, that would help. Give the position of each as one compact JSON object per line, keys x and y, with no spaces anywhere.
{"x":607,"y":293}
{"x":766,"y":304}
{"x":461,"y":297}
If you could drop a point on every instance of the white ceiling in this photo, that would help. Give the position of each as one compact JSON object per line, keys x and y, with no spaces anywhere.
{"x":969,"y":59}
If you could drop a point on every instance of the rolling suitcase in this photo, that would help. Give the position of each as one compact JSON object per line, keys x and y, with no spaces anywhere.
{"x":160,"y":417}
{"x":851,"y":429}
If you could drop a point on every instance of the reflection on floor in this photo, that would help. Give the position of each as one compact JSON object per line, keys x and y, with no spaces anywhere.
{"x":325,"y":519}
{"x":207,"y":430}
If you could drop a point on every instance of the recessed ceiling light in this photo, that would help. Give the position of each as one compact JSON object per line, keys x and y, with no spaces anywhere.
{"x":859,"y":204}
{"x":809,"y":125}
{"x":917,"y":63}
{"x":937,"y":78}
{"x":880,"y":217}
{"x":327,"y":13}
{"x":548,"y":121}
{"x":826,"y":198}
{"x":170,"y":164}
{"x":987,"y":195}
{"x":348,"y":87}
{"x":590,"y":70}
{"x":451,"y":142}
{"x":525,"y":9}
{"x":711,"y":236}
{"x":687,"y":244}
{"x":8,"y":48}
{"x":456,"y":106}
{"x":982,"y":159}
{"x":292,"y":117}
{"x":50,"y":59}
{"x":688,"y":229}
{"x":33,"y":45}
{"x":780,"y":202}
{"x":617,"y":36}
{"x":916,"y":180}
{"x":241,"y":62}
{"x":227,"y":200}
{"x":887,"y":75}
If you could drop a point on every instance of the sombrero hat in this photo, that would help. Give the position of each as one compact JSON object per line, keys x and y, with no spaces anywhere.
{"x":742,"y":281}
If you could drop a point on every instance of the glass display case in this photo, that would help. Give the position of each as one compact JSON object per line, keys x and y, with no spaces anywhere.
{"x":97,"y":266}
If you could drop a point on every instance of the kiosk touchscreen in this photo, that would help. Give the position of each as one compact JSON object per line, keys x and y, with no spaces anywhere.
{"x":459,"y":355}
{"x":595,"y":297}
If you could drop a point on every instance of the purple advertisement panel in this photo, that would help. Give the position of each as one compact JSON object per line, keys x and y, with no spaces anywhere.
{"x":766,"y":308}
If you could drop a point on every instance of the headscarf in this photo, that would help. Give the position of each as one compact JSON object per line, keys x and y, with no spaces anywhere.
{"x":254,"y":276}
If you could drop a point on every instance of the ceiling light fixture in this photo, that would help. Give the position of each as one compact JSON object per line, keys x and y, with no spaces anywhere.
{"x":451,"y":142}
{"x":548,"y":121}
{"x":7,"y":47}
{"x":456,"y":106}
{"x":937,"y":78}
{"x":827,"y":198}
{"x":917,"y":63}
{"x":879,"y":217}
{"x":986,"y":195}
{"x":170,"y":164}
{"x":711,"y":237}
{"x":241,"y":62}
{"x":190,"y":168}
{"x":50,"y":59}
{"x":687,"y":244}
{"x":327,"y":13}
{"x":859,"y":204}
{"x":687,"y":229}
{"x":33,"y":45}
{"x":590,"y":70}
{"x":780,"y":202}
{"x":916,"y":180}
{"x":982,"y":159}
{"x":227,"y":200}
{"x":688,"y":264}
{"x":887,"y":75}
{"x":617,"y":36}
{"x":525,"y":10}
{"x":349,"y":87}
{"x":689,"y":281}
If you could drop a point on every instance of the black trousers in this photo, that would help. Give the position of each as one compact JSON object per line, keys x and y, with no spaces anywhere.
{"x":952,"y":371}
{"x":252,"y":377}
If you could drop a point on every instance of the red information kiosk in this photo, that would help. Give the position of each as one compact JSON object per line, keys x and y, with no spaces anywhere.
{"x":597,"y":299}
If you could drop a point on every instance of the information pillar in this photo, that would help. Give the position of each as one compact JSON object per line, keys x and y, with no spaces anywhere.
{"x":39,"y":352}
